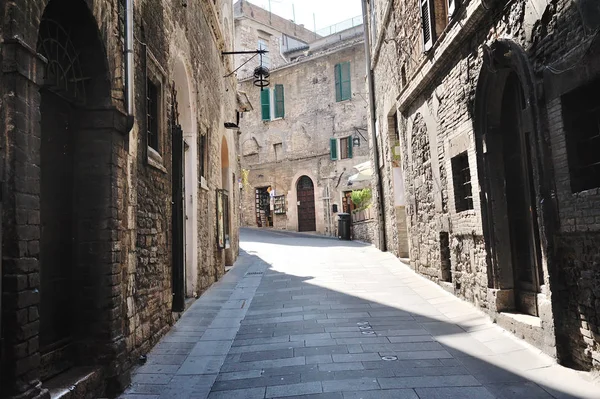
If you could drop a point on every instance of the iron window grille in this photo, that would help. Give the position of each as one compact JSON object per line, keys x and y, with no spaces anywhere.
{"x":152,"y":114}
{"x":461,"y":175}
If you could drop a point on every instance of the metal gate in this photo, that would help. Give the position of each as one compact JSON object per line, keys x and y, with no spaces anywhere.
{"x":306,"y":204}
{"x":178,"y":272}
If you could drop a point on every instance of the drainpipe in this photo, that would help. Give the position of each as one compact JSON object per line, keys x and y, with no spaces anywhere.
{"x":129,"y":55}
{"x":381,"y":224}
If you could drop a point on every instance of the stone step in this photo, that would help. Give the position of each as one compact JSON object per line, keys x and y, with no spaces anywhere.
{"x":76,"y":383}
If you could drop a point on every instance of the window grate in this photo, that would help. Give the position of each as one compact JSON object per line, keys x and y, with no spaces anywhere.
{"x":152,"y":114}
{"x":461,"y":173}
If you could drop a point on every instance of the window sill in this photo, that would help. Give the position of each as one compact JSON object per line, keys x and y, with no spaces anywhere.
{"x":155,"y":160}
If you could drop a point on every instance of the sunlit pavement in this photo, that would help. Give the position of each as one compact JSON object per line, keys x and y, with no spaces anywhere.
{"x":310,"y":317}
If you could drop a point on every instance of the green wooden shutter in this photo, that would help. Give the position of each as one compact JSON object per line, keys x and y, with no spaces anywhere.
{"x":279,"y":102}
{"x":265,"y":102}
{"x":346,"y":89}
{"x":350,"y":147}
{"x":338,"y":83}
{"x":333,"y":149}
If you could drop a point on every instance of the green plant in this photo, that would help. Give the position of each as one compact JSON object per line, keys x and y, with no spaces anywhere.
{"x":362,"y":199}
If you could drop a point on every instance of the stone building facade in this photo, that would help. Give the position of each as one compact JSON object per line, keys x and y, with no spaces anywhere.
{"x":109,"y":184}
{"x":486,"y":106}
{"x":256,"y":27}
{"x":297,"y":144}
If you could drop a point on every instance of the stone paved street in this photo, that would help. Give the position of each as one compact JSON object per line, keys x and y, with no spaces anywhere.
{"x":316,"y":318}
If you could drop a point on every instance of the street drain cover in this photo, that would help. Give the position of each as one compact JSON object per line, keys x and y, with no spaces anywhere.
{"x":253,"y":273}
{"x":365,"y":327}
{"x":389,"y":358}
{"x":368,"y":332}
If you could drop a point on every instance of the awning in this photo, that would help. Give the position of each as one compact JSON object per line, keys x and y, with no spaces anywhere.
{"x":365,"y":171}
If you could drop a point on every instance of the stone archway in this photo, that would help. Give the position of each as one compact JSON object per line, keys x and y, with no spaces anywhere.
{"x":80,"y":133}
{"x":226,"y":184}
{"x":188,"y":123}
{"x":507,"y":140}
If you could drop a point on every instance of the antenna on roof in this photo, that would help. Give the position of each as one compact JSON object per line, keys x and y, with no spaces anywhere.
{"x":270,"y":14}
{"x":315,"y":25}
{"x":294,"y":12}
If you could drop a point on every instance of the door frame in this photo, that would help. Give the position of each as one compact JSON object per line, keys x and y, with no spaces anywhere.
{"x":314,"y":221}
{"x":501,"y":59}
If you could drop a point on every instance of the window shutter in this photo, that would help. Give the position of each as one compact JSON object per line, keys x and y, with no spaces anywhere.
{"x":350,"y":146}
{"x":333,"y":149}
{"x":427,"y":23}
{"x":452,"y":6}
{"x":338,"y":83}
{"x":346,"y":90}
{"x":265,"y":102}
{"x":279,"y":102}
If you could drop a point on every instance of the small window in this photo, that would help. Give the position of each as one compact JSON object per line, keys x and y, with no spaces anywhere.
{"x":265,"y":103}
{"x":346,"y":148}
{"x":427,"y":24}
{"x":581,"y":114}
{"x":152,"y":114}
{"x":121,"y":14}
{"x":393,"y":130}
{"x":279,"y":101}
{"x":343,"y":89}
{"x":461,"y":174}
{"x":203,"y":155}
{"x":266,"y":58}
{"x":278,"y":148}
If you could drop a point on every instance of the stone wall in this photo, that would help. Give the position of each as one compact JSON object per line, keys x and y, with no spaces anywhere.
{"x":438,"y":90}
{"x":365,"y":231}
{"x":122,"y":192}
{"x":278,"y":152}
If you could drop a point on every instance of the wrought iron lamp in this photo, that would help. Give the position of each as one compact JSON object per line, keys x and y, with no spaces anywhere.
{"x":356,"y":138}
{"x":261,"y":73}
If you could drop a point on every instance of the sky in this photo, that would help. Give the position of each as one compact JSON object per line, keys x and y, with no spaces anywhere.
{"x":327,"y":12}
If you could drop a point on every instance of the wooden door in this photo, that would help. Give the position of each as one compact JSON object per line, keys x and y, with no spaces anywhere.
{"x":306,"y":204}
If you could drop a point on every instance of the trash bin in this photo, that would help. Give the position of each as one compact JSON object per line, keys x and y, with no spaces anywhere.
{"x":344,"y":223}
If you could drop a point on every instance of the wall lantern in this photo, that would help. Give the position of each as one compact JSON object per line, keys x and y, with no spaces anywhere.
{"x":261,"y":73}
{"x":357,"y":136}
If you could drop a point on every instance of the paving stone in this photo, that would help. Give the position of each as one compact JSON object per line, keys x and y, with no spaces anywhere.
{"x":320,"y":350}
{"x":429,"y":381}
{"x":159,"y":359}
{"x":527,"y":390}
{"x":357,"y":384}
{"x":162,"y":379}
{"x":201,"y":365}
{"x":256,"y":382}
{"x":341,"y":366}
{"x":250,"y":393}
{"x":384,"y":394}
{"x":211,"y":348}
{"x":219,"y":334}
{"x":267,"y":355}
{"x":319,"y":359}
{"x":240,"y":375}
{"x":304,"y":388}
{"x":157,"y":369}
{"x":258,"y":365}
{"x":328,"y":395}
{"x":454,"y":393}
{"x":356,"y":357}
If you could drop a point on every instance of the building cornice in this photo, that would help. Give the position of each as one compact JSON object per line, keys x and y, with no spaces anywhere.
{"x":444,"y":49}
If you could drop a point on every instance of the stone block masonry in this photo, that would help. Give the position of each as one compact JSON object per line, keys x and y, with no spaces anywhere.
{"x":87,"y":230}
{"x":449,"y":106}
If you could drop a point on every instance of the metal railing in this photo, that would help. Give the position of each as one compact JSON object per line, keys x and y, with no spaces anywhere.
{"x":340,"y":26}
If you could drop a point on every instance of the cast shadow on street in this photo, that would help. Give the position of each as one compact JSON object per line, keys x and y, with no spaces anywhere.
{"x":434,"y":356}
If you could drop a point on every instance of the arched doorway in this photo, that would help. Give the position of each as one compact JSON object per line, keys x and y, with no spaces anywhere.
{"x":187,"y":122}
{"x":506,"y":152}
{"x":305,"y":190}
{"x":75,"y":183}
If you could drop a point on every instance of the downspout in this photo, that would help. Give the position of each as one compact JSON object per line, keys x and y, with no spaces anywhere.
{"x":381,"y":224}
{"x":129,"y":55}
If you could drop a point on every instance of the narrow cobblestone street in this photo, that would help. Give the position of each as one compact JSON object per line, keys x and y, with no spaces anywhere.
{"x":309,"y":317}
